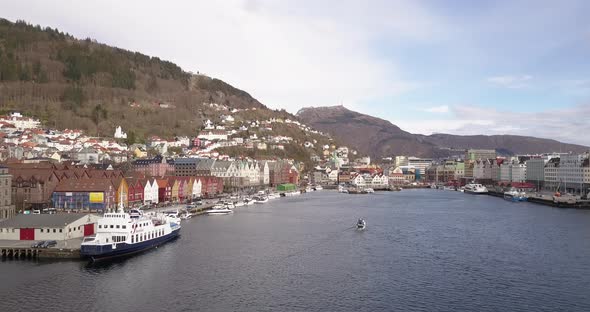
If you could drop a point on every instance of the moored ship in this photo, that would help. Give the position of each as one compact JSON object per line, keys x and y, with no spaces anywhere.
{"x":120,"y":234}
{"x":515,"y":196}
{"x":475,"y":188}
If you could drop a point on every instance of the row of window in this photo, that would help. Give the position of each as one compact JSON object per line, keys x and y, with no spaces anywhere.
{"x":117,"y":239}
{"x":100,"y":226}
{"x":145,"y":236}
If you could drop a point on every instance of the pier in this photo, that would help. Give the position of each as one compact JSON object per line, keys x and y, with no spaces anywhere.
{"x":548,"y":201}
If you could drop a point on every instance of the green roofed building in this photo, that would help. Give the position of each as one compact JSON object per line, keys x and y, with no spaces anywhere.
{"x":286,"y":187}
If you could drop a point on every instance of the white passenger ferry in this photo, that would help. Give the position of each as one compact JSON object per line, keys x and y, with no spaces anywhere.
{"x":122,"y":233}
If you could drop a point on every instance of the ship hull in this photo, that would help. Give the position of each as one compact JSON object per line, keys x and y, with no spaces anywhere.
{"x":106,"y":252}
{"x":475,"y":192}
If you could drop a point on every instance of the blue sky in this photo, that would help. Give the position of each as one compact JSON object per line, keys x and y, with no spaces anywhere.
{"x":464,"y":67}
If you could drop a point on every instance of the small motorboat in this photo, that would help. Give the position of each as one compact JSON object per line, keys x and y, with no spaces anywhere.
{"x":361,"y":224}
{"x":219,"y":209}
{"x":229,"y":205}
{"x":260,"y":199}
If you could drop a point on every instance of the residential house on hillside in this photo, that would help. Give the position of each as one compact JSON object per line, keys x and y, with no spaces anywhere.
{"x":213,"y":135}
{"x":87,"y":156}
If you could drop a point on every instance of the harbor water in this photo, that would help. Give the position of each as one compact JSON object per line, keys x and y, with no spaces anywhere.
{"x":422,"y":250}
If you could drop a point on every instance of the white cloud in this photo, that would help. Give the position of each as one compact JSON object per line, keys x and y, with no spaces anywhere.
{"x":436,"y":109}
{"x":287,"y":54}
{"x":566,"y":125}
{"x":511,"y":82}
{"x":576,"y":87}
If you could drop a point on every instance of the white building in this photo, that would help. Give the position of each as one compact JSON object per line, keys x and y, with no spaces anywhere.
{"x":213,"y":134}
{"x":573,"y":173}
{"x":550,"y":172}
{"x":21,"y":122}
{"x":150,"y":192}
{"x":197,"y":188}
{"x":48,"y":226}
{"x":380,"y":182}
{"x":333,"y":176}
{"x":419,"y":163}
{"x":209,"y":125}
{"x":358,"y":181}
{"x":119,"y":134}
{"x":265,"y":173}
{"x":518,"y":172}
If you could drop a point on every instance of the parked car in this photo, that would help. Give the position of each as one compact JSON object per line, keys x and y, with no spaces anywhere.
{"x":47,"y":244}
{"x":37,"y":244}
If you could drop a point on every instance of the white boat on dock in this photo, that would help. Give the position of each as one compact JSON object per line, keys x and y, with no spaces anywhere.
{"x":260,"y":199}
{"x":219,"y":211}
{"x":476,"y":189}
{"x":229,"y":205}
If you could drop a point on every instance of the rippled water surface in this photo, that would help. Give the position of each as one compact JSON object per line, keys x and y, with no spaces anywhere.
{"x":423,"y":250}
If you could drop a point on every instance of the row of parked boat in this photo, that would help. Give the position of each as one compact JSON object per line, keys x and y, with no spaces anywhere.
{"x":227,"y":206}
{"x":479,"y":189}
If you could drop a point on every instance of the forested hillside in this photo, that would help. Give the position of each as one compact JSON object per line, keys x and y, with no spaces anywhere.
{"x":71,"y":83}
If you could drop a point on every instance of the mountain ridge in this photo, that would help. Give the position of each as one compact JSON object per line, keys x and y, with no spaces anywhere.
{"x":380,"y":138}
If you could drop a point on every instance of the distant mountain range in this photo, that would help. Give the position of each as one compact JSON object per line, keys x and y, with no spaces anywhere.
{"x":380,"y":138}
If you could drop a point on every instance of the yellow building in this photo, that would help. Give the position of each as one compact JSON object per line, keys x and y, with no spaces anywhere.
{"x":139,"y":153}
{"x":174,"y":196}
{"x":122,"y":191}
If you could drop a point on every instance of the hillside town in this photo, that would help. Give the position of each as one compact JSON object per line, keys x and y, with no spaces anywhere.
{"x":63,"y":171}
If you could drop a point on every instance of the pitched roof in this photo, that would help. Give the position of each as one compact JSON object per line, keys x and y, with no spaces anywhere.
{"x":84,"y":185}
{"x":162,"y":182}
{"x":205,"y":164}
{"x":40,"y":175}
{"x":41,"y":220}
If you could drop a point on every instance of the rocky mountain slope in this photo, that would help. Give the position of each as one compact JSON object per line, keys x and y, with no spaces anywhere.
{"x":380,"y":138}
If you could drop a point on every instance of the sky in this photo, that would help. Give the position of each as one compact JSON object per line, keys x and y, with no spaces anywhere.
{"x":456,"y":66}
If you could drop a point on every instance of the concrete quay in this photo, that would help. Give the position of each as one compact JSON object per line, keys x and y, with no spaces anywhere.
{"x":68,"y":249}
